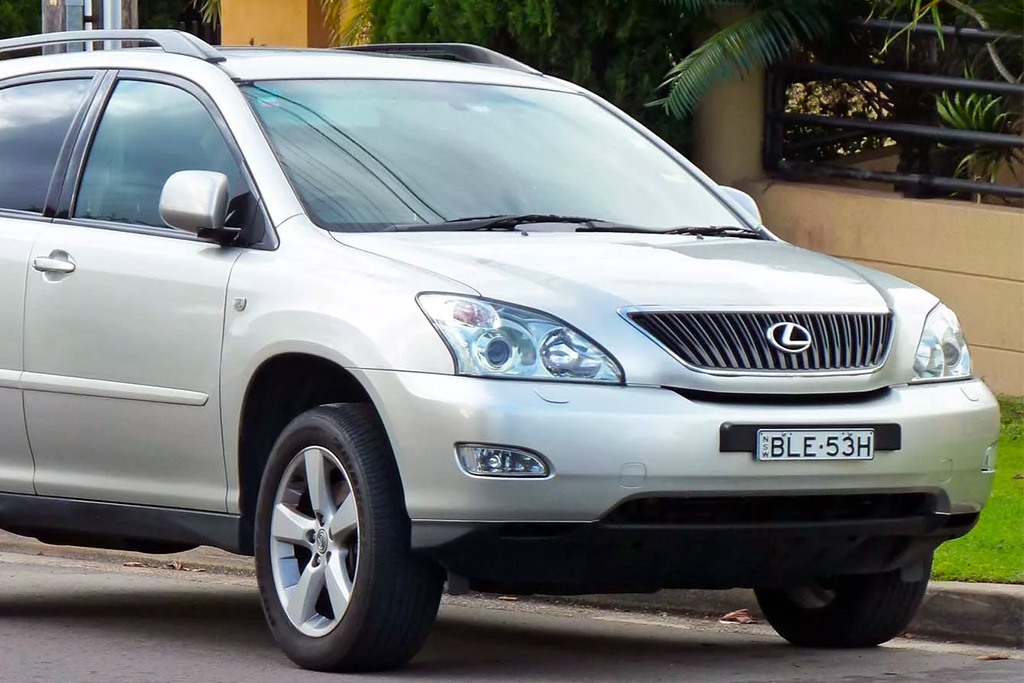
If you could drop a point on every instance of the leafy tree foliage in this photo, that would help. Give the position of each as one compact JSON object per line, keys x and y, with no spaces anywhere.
{"x":19,"y":17}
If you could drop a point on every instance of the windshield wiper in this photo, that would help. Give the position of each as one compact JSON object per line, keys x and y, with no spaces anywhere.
{"x":499,"y":222}
{"x":700,"y":230}
{"x":513,"y":221}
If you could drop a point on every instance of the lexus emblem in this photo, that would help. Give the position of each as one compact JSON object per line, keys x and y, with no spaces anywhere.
{"x":789,"y":337}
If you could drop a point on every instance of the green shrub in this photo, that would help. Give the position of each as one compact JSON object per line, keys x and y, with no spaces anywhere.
{"x":620,"y":49}
{"x":19,"y":17}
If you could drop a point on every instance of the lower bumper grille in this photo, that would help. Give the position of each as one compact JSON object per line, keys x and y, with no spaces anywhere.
{"x":772,"y":509}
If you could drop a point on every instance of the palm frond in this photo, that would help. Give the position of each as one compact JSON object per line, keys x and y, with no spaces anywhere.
{"x":209,"y":10}
{"x":348,"y":20}
{"x":763,"y":37}
{"x":698,"y":6}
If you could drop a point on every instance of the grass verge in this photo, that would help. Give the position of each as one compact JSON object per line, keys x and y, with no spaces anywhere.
{"x":994,"y":550}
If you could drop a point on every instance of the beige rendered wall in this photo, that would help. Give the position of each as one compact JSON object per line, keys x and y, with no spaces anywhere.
{"x":282,"y":23}
{"x":971,"y":256}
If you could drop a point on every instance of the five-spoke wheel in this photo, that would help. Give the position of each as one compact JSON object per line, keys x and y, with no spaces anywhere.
{"x":314,"y":528}
{"x":340,"y":586}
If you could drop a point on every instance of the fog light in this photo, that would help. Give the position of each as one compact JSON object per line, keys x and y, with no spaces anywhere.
{"x":988,"y":463}
{"x":499,"y":461}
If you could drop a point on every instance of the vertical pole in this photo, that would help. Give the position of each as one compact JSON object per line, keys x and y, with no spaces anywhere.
{"x":129,"y":13}
{"x":111,"y":14}
{"x":53,"y":16}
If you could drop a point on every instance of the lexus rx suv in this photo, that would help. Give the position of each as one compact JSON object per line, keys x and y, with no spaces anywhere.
{"x":388,"y":322}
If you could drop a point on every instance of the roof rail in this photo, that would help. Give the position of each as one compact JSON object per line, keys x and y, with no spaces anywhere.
{"x":459,"y":52}
{"x":172,"y":42}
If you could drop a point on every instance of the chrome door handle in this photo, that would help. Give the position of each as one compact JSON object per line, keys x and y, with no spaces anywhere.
{"x":52,"y":264}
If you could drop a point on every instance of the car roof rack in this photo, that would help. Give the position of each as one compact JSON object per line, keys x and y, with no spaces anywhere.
{"x":170,"y":41}
{"x":458,"y":52}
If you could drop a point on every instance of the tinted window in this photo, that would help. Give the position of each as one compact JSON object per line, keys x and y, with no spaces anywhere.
{"x":148,"y":132}
{"x":34,"y":120}
{"x":366,"y":154}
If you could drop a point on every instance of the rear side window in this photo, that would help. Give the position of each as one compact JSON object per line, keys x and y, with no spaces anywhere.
{"x":34,"y":120}
{"x":148,"y":132}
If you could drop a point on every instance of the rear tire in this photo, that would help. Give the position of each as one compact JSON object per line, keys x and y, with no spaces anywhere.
{"x":846,"y":612}
{"x":340,"y":588}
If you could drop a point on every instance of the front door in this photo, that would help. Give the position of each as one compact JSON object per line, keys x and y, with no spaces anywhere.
{"x":124,"y":316}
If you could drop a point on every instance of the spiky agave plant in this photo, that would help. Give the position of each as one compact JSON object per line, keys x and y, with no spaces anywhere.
{"x":981,"y":112}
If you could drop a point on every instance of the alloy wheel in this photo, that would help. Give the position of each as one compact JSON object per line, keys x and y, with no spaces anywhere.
{"x":314,"y":541}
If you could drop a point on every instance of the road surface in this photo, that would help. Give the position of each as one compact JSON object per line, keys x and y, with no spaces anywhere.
{"x":65,"y":620}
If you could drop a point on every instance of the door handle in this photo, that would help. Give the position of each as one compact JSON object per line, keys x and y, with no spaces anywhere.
{"x":57,"y":262}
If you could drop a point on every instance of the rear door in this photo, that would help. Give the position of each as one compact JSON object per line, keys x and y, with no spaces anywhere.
{"x":124,"y":316}
{"x":38,"y":116}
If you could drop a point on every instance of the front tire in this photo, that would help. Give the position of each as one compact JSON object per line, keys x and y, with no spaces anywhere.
{"x":845,"y":612}
{"x":340,"y":588}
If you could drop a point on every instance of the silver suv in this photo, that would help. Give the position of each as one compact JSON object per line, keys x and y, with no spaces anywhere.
{"x":385,"y":321}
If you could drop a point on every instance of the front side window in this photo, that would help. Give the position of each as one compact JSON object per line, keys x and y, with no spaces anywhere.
{"x":148,"y":132}
{"x":370,"y":154}
{"x":34,"y":120}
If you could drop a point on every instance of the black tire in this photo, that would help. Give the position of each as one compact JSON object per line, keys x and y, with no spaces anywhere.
{"x":395,"y":595}
{"x":864,"y":610}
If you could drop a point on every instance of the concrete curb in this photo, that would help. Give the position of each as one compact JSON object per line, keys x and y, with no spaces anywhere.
{"x":981,"y":613}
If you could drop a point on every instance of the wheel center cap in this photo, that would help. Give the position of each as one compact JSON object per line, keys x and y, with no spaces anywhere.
{"x":321,"y":541}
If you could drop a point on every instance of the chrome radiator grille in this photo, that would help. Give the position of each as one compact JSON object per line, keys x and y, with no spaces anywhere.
{"x":741,"y":341}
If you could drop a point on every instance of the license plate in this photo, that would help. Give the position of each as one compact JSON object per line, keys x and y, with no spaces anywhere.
{"x":778,"y":445}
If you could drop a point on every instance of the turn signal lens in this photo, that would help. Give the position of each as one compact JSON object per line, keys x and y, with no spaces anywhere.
{"x":497,"y":461}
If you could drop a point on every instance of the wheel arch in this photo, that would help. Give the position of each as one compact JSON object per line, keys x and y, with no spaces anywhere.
{"x":282,"y":387}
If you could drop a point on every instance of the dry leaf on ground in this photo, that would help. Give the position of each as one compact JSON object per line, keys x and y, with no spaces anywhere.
{"x":740,"y":616}
{"x":994,"y":657}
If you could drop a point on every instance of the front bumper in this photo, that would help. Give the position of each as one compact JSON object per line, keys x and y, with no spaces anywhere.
{"x":609,"y":444}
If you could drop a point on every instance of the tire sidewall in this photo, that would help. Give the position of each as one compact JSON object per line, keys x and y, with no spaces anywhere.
{"x":313,"y":429}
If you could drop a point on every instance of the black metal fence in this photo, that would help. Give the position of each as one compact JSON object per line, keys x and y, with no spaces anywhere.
{"x":809,"y":146}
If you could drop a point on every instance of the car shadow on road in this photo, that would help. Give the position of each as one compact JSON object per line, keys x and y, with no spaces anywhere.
{"x":466,"y":643}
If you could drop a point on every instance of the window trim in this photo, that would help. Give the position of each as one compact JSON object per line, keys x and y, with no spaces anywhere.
{"x":75,"y":170}
{"x":57,"y":175}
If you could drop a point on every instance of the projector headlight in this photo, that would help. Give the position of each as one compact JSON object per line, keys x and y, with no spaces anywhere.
{"x":942,"y":352}
{"x":493,"y":339}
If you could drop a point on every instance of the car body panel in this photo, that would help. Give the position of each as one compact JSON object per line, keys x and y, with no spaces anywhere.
{"x":17,"y":233}
{"x":122,"y":358}
{"x":586,"y":279}
{"x":313,"y":296}
{"x":590,"y":433}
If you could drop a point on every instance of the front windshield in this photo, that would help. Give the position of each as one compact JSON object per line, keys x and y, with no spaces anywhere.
{"x":370,"y":154}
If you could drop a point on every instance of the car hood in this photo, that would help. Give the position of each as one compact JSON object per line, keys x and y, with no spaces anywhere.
{"x":556,"y":271}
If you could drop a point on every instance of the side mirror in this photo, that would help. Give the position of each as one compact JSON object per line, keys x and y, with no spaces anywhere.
{"x":197,"y":202}
{"x":745,"y":202}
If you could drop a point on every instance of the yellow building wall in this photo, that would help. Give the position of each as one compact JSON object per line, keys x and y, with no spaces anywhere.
{"x":969,"y":255}
{"x":278,"y":23}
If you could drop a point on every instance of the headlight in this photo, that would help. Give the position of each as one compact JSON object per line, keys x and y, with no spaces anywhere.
{"x":492,"y":339}
{"x":942,"y":352}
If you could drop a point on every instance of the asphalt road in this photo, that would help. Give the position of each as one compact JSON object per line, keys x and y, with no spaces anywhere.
{"x":66,"y":620}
